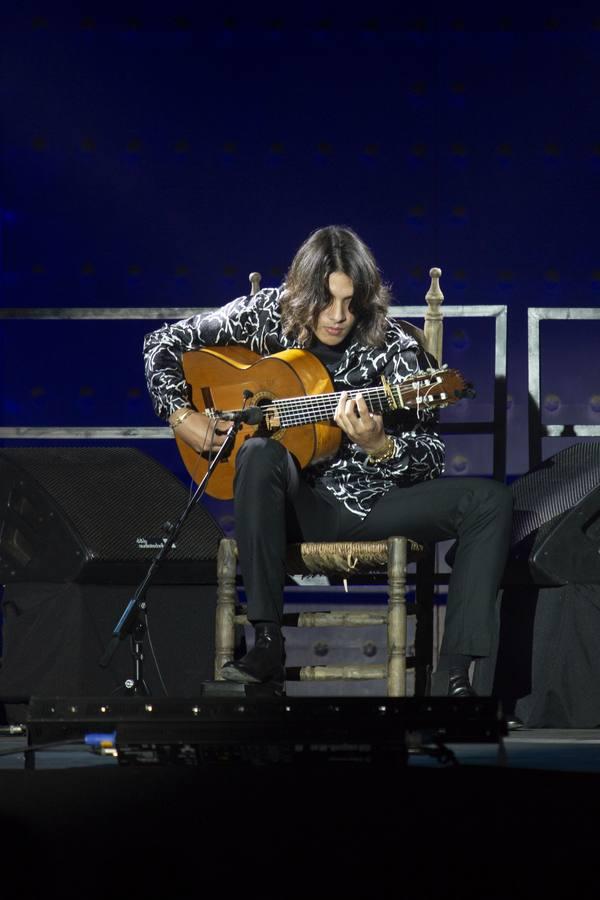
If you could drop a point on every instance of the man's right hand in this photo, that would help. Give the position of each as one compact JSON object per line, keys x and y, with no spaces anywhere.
{"x":199,"y":432}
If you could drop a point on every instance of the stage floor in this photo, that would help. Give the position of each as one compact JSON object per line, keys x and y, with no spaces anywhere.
{"x":495,"y":826}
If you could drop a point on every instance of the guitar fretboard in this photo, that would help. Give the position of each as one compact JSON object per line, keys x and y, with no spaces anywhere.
{"x":321,"y":407}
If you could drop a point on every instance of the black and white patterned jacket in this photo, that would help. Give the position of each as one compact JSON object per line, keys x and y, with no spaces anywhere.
{"x":255,"y":322}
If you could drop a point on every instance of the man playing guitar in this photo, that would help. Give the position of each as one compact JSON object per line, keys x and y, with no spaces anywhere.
{"x":383,"y":479}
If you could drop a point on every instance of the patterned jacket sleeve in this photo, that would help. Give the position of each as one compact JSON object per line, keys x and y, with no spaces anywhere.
{"x":247,"y":320}
{"x":419,"y":450}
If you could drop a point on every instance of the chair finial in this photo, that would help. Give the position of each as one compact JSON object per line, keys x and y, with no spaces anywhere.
{"x":433,"y":315}
{"x":254,"y":279}
{"x":434,"y":292}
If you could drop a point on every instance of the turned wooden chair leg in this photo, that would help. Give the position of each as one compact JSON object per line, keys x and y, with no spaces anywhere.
{"x":226,"y":600}
{"x":397,"y":554}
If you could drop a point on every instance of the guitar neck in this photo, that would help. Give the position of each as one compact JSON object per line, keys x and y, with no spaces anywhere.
{"x":322,"y":407}
{"x":422,"y":390}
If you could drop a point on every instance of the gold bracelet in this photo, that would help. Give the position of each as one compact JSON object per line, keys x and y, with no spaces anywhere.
{"x":177,"y":422}
{"x":386,"y":452}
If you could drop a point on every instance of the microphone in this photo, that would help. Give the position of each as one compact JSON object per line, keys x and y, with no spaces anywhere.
{"x":252,"y":415}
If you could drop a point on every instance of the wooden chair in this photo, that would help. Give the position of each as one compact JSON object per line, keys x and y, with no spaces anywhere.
{"x":388,"y":557}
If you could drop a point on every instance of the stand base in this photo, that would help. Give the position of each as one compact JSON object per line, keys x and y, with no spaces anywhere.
{"x":131,"y":689}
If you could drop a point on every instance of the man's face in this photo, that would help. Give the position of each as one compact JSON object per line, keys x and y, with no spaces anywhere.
{"x":335,"y":322}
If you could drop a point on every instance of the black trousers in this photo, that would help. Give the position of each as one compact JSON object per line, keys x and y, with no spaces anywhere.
{"x":274,"y":506}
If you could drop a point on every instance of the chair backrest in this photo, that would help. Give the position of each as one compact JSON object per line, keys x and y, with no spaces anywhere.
{"x":430,"y":338}
{"x":417,"y":333}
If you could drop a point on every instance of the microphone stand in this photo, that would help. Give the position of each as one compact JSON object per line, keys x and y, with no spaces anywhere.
{"x":132,"y":621}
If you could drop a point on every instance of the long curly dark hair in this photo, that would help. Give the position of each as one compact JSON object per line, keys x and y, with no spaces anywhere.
{"x":328,"y":250}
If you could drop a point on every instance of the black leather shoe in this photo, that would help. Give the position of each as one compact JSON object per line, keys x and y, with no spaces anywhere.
{"x":454,"y":683}
{"x":514,"y":723}
{"x":459,"y":684}
{"x":264,"y":663}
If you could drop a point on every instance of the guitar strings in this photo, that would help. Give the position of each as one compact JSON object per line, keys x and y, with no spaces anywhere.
{"x":295,"y":410}
{"x":304,"y":409}
{"x":307,"y":408}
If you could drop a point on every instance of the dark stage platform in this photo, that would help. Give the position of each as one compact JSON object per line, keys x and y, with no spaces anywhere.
{"x":503,"y":815}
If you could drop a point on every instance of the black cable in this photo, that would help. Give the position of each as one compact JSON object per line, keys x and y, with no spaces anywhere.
{"x":49,"y":744}
{"x":153,"y":652}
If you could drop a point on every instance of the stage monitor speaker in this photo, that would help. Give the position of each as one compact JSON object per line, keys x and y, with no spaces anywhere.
{"x":97,"y":515}
{"x":556,"y":521}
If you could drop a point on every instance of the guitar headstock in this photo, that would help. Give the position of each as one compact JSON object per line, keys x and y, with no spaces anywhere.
{"x":432,"y":389}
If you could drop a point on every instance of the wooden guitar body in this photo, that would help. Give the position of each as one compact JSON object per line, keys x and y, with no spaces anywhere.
{"x":218,"y":377}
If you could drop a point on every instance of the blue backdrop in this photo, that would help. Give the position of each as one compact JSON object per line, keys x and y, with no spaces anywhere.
{"x":155,"y":155}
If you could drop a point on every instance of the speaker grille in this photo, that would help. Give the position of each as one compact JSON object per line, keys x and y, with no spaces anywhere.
{"x":117,"y":501}
{"x":554,"y":487}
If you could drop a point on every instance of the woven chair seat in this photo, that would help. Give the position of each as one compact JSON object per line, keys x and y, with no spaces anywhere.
{"x":347,"y":557}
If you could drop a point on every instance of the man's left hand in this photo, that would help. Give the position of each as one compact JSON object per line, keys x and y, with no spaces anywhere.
{"x":362,"y":426}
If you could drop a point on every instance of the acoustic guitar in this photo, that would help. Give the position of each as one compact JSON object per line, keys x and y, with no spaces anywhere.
{"x":294,"y":392}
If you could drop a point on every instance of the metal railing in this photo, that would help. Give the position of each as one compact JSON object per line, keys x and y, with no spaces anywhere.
{"x":537,"y":430}
{"x":496,"y":427}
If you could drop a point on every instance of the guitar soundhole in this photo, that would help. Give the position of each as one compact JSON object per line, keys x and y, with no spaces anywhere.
{"x":269,"y":427}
